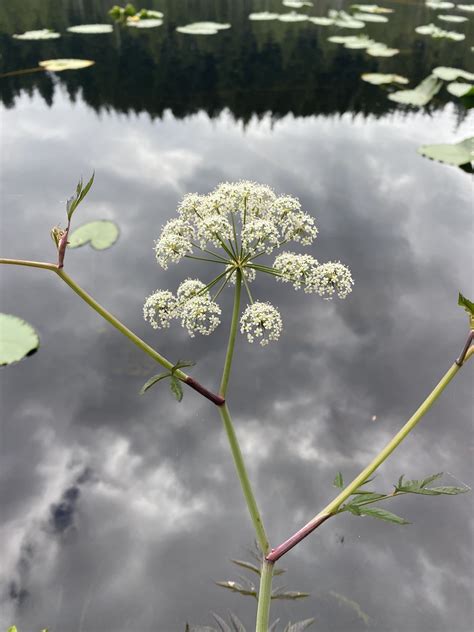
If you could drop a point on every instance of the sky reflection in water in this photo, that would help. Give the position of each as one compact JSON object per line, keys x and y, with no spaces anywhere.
{"x":119,"y":511}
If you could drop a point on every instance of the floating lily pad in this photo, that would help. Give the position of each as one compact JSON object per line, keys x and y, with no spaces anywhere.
{"x":370,"y":8}
{"x":321,"y":21}
{"x":292,"y":17}
{"x":452,"y":154}
{"x":345,"y":20}
{"x":452,"y":18}
{"x":263,"y":15}
{"x":370,"y":17}
{"x":202,"y":28}
{"x":419,"y":96}
{"x":382,"y":50}
{"x":437,"y":33}
{"x":465,"y":7}
{"x":100,"y":234}
{"x":451,"y":74}
{"x":42,"y":34}
{"x":91,"y":29}
{"x":17,"y":339}
{"x":459,"y":89}
{"x":145,"y":24}
{"x":435,"y":4}
{"x":297,"y":4}
{"x":377,"y":78}
{"x":359,"y":42}
{"x":58,"y":65}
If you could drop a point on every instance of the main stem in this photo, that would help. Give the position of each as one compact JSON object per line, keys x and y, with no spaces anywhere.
{"x":333,"y":506}
{"x":264,"y":597}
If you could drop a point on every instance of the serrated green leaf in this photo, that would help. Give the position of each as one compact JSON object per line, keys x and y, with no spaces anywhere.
{"x":181,"y":364}
{"x":81,"y":192}
{"x":338,"y":481}
{"x":400,"y":481}
{"x":352,"y":508}
{"x":382,"y":514}
{"x":466,"y":303}
{"x":176,"y":388}
{"x":153,"y":380}
{"x":450,"y":491}
{"x":247,"y":565}
{"x":299,"y":626}
{"x":430,"y":479}
{"x":364,"y":497}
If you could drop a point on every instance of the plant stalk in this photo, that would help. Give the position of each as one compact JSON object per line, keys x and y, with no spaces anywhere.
{"x":232,"y":335}
{"x":264,"y":597}
{"x":333,"y":506}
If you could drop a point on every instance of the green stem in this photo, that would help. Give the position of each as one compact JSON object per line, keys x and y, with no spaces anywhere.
{"x":31,"y":264}
{"x":244,"y":480}
{"x":264,"y":597}
{"x":333,"y":506}
{"x":232,"y":335}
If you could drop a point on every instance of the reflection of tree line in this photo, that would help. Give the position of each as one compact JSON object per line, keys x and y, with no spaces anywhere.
{"x":251,"y":69}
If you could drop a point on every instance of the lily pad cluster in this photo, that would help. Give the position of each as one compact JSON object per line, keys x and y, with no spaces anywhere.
{"x":431,"y":85}
{"x":437,"y":33}
{"x":373,"y":48}
{"x":142,"y":19}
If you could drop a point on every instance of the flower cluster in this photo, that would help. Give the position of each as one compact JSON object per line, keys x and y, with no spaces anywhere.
{"x":232,"y":227}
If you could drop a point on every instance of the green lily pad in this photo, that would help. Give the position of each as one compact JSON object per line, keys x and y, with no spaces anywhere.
{"x":378,"y":78}
{"x":382,"y":50}
{"x":41,"y":34}
{"x":465,"y":7}
{"x":452,"y":154}
{"x":58,"y":65}
{"x":345,"y":20}
{"x":321,"y":21}
{"x":452,"y":18}
{"x":436,"y":33}
{"x":145,"y":24}
{"x":459,"y":89}
{"x":296,"y":4}
{"x":101,"y":234}
{"x":203,"y":28}
{"x":419,"y":96}
{"x":369,"y":17}
{"x":437,"y":4}
{"x":91,"y":29}
{"x":451,"y":74}
{"x":370,"y":8}
{"x":292,"y":16}
{"x":263,"y":15}
{"x":17,"y":339}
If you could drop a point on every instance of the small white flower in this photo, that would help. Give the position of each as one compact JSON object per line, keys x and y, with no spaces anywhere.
{"x":248,"y":273}
{"x":189,"y":288}
{"x":331,"y":278}
{"x":299,"y":227}
{"x":261,"y":322}
{"x":298,"y":269}
{"x":174,"y":242}
{"x":200,"y":314}
{"x":188,"y":208}
{"x":160,"y":308}
{"x":260,"y":234}
{"x":214,"y":228}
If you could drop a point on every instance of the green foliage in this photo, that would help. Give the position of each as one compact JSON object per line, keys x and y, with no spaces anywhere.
{"x":17,"y":339}
{"x":338,"y":481}
{"x":467,"y":304}
{"x":455,"y":154}
{"x":360,"y":498}
{"x":100,"y":234}
{"x":81,"y":192}
{"x":235,"y":625}
{"x":175,"y":384}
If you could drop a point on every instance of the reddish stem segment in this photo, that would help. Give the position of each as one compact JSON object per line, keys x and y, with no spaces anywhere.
{"x":462,"y":357}
{"x":275,"y":554}
{"x":215,"y":399}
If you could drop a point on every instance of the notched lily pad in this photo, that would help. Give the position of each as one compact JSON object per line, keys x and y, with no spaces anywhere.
{"x":203,"y":28}
{"x":91,"y":29}
{"x":17,"y":339}
{"x":456,"y":154}
{"x":419,"y":96}
{"x":378,"y":78}
{"x":451,"y":74}
{"x":41,"y":34}
{"x":101,"y":234}
{"x":58,"y":65}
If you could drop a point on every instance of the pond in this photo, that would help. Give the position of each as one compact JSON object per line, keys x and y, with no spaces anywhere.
{"x":121,"y":511}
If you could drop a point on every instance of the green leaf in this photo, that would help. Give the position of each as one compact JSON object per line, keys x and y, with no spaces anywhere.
{"x":429,"y":479}
{"x":238,"y":625}
{"x":354,"y":509}
{"x":247,"y":565}
{"x":459,"y":89}
{"x":466,"y":303}
{"x":338,"y":481}
{"x":292,"y":595}
{"x":91,"y":29}
{"x":101,"y":234}
{"x":12,"y":628}
{"x":181,"y":364}
{"x":450,"y":491}
{"x":176,"y":388}
{"x":17,"y":339}
{"x":76,"y":199}
{"x":238,"y":588}
{"x":363,"y":497}
{"x":299,"y":626}
{"x":452,"y":154}
{"x":153,"y":380}
{"x":382,"y":514}
{"x":419,"y":96}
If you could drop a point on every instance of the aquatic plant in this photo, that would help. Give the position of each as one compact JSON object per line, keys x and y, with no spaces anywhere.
{"x":231,"y":228}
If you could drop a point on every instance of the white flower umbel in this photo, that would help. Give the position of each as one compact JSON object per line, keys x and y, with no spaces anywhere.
{"x":214,"y":229}
{"x":160,"y":308}
{"x":260,"y":234}
{"x":189,"y":288}
{"x":200,"y":314}
{"x":261,"y":322}
{"x":174,"y":242}
{"x":333,"y":278}
{"x":297,"y":269}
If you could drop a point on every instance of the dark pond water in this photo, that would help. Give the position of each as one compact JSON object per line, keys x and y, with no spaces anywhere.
{"x":119,"y":512}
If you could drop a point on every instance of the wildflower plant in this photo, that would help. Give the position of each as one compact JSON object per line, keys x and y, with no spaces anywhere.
{"x":233,"y":228}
